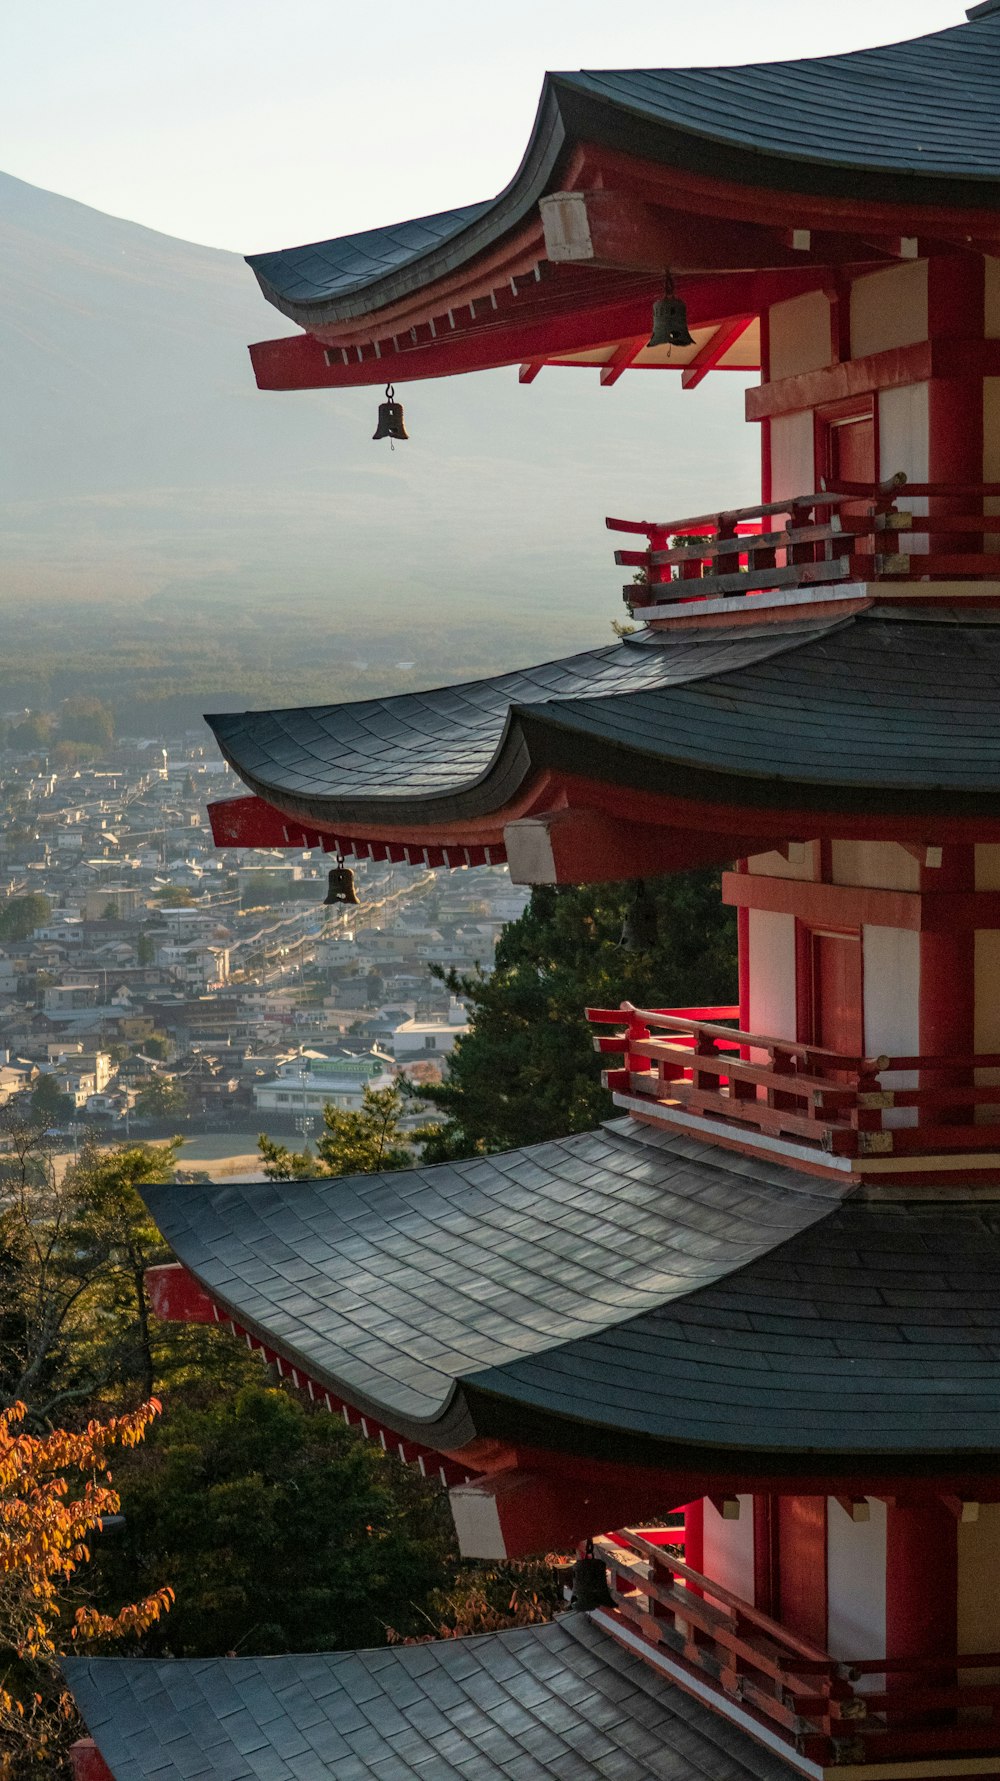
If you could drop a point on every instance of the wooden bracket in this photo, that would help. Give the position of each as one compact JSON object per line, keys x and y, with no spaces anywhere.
{"x":964,"y":1509}
{"x":727,"y":1507}
{"x":858,"y":1508}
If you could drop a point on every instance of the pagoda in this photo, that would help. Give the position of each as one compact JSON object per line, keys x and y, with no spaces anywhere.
{"x":765,"y":1295}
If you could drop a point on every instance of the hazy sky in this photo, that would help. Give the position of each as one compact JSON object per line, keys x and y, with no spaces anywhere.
{"x":249,"y":124}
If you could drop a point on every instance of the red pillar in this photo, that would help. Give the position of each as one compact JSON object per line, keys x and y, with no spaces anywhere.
{"x":956,"y":313}
{"x":948,"y":986}
{"x":921,"y":1586}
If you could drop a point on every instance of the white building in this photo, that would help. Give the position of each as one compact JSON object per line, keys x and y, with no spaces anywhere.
{"x":416,"y":1039}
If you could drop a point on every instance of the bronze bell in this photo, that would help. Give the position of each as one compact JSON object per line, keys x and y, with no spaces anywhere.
{"x":670,"y":323}
{"x":341,"y":886}
{"x":390,"y":417}
{"x":590,"y":1583}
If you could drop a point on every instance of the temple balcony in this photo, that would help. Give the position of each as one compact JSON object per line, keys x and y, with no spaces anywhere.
{"x":943,"y":544}
{"x":825,"y":1715}
{"x":903,"y":1117}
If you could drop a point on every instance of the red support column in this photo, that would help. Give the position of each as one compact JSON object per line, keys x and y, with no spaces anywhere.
{"x":948,"y":986}
{"x":921,"y":1587}
{"x":956,"y":312}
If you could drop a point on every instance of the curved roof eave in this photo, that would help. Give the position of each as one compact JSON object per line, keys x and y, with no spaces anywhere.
{"x":757,"y":718}
{"x":915,"y":122}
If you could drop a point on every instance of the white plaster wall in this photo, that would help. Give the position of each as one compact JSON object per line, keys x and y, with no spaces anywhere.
{"x":774,"y":865}
{"x":800,"y":335}
{"x":729,"y":1549}
{"x":855,"y":1570}
{"x":879,"y":865}
{"x":987,"y":866}
{"x":987,"y":1015}
{"x":772,"y":973}
{"x":979,"y":1586}
{"x":793,"y":455}
{"x":889,"y":308}
{"x":992,"y":298}
{"x":891,"y":965}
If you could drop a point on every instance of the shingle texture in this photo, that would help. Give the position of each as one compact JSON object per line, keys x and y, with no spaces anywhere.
{"x":560,"y":1702}
{"x":832,"y":714}
{"x":877,"y":1330}
{"x":925,"y":110}
{"x":391,"y":1288}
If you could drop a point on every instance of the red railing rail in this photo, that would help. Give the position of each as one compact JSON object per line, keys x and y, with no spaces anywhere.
{"x":790,"y":1685}
{"x":846,"y":531}
{"x":687,"y":1059}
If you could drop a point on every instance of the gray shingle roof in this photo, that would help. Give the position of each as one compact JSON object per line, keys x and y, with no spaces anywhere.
{"x":875,"y":1330}
{"x":561,"y":1702}
{"x":390,"y":1289}
{"x":659,"y":1297}
{"x":919,"y":119}
{"x":886,"y":710}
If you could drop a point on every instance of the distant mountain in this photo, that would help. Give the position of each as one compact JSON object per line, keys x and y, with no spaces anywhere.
{"x":139,"y":464}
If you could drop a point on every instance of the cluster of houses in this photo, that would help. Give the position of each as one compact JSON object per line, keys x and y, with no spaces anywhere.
{"x":156,"y":982}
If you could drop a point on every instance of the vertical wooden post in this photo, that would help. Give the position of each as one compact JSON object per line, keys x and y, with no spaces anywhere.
{"x":947,"y":1000}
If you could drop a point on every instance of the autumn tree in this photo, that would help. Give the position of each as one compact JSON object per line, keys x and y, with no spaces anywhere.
{"x":353,"y":1143}
{"x":55,"y":1492}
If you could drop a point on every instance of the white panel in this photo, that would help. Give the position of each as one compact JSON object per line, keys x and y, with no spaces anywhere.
{"x":904,"y":444}
{"x":889,"y":309}
{"x":879,"y":865}
{"x":891,"y":965}
{"x":800,"y":335}
{"x":856,"y":1561}
{"x":987,"y":867}
{"x":772,"y":974}
{"x":793,"y":455}
{"x":892,"y":991}
{"x":802,"y":863}
{"x":729,"y":1549}
{"x":992,"y":298}
{"x":979,"y":1587}
{"x":477,"y":1521}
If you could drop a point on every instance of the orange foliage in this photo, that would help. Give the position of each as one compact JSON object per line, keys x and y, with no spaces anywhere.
{"x":44,"y":1526}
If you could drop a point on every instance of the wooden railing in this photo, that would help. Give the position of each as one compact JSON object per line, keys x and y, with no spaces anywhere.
{"x":686,"y":1059}
{"x":830,"y":1711}
{"x":843,"y":532}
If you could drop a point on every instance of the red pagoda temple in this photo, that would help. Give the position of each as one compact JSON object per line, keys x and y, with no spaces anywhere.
{"x":765,"y":1294}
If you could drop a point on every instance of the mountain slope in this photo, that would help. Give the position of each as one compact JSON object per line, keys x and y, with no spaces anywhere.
{"x":139,"y":463}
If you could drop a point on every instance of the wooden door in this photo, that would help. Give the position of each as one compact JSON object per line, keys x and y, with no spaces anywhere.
{"x":852,"y":449}
{"x":837,"y":993}
{"x":801,"y":1555}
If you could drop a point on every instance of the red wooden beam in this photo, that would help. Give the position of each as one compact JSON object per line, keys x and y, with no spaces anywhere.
{"x":900,"y":365}
{"x":87,"y":1762}
{"x":529,"y":371}
{"x":707,"y":357}
{"x":568,"y":325}
{"x":176,"y":1296}
{"x":622,"y":357}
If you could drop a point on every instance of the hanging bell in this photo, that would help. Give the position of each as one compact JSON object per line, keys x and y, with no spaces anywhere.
{"x":390,"y":417}
{"x":670,"y":323}
{"x":590,"y":1583}
{"x":639,"y":929}
{"x":341,"y":885}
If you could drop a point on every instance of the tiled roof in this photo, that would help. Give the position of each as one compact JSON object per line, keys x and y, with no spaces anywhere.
{"x":390,"y":1288}
{"x":648,"y":1286}
{"x":919,"y":118}
{"x":887,"y":709}
{"x":559,"y":1702}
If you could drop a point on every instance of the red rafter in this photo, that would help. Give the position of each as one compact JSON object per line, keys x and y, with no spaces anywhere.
{"x":708,"y":356}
